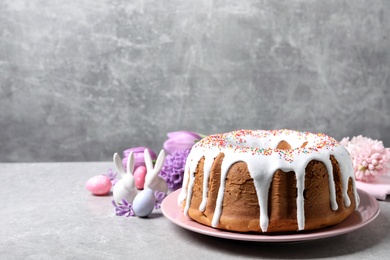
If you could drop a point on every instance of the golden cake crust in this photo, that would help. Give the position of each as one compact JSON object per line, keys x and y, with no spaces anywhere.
{"x":240,"y":207}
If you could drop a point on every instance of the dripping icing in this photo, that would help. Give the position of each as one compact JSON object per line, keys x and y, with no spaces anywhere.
{"x":258,"y":150}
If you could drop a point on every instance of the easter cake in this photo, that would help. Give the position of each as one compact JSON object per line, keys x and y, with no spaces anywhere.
{"x":268,"y":181}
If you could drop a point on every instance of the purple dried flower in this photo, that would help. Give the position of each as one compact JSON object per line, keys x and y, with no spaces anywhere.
{"x":112,"y":175}
{"x":124,"y":209}
{"x":159,"y":198}
{"x":173,"y":169}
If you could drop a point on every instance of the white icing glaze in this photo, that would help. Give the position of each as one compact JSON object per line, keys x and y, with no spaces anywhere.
{"x":258,"y":150}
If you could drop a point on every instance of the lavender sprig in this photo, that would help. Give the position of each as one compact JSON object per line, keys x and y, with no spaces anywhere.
{"x":112,"y":175}
{"x":160,"y":196}
{"x":124,"y":209}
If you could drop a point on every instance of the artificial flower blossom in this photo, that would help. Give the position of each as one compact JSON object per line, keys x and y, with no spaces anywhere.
{"x":173,"y":169}
{"x":369,"y":157}
{"x":138,"y":156}
{"x":180,"y":141}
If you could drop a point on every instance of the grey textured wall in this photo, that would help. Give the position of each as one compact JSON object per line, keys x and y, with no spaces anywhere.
{"x":82,"y":79}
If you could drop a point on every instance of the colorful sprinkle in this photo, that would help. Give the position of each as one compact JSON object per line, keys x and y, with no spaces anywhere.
{"x":238,"y":142}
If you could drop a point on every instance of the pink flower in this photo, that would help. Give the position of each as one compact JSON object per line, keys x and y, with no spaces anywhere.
{"x":180,"y":141}
{"x":369,"y":157}
{"x":138,"y":156}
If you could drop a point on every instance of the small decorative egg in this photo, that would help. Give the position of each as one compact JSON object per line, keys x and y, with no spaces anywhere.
{"x":139,"y":177}
{"x":144,"y":202}
{"x":99,"y":185}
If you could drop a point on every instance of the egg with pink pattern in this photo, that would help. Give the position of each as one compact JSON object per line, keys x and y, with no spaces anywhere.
{"x":99,"y":185}
{"x":139,"y":177}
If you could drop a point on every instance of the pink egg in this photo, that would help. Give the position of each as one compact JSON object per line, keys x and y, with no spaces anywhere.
{"x":99,"y":185}
{"x":139,"y":177}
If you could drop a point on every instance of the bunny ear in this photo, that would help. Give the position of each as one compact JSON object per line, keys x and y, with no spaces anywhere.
{"x":130,"y":163}
{"x":160,"y":160}
{"x":152,"y":180}
{"x":118,"y":163}
{"x":148,"y":161}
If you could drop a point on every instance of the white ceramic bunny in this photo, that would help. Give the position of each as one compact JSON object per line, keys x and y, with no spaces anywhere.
{"x":145,"y":200}
{"x":125,"y":187}
{"x":152,"y":180}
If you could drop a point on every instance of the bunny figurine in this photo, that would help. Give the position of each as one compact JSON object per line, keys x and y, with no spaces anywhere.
{"x":125,"y":187}
{"x":152,"y":180}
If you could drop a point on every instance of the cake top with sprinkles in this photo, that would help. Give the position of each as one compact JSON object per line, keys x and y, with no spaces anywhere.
{"x":265,"y":142}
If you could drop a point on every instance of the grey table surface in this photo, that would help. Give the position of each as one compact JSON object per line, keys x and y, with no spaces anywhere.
{"x":46,"y":213}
